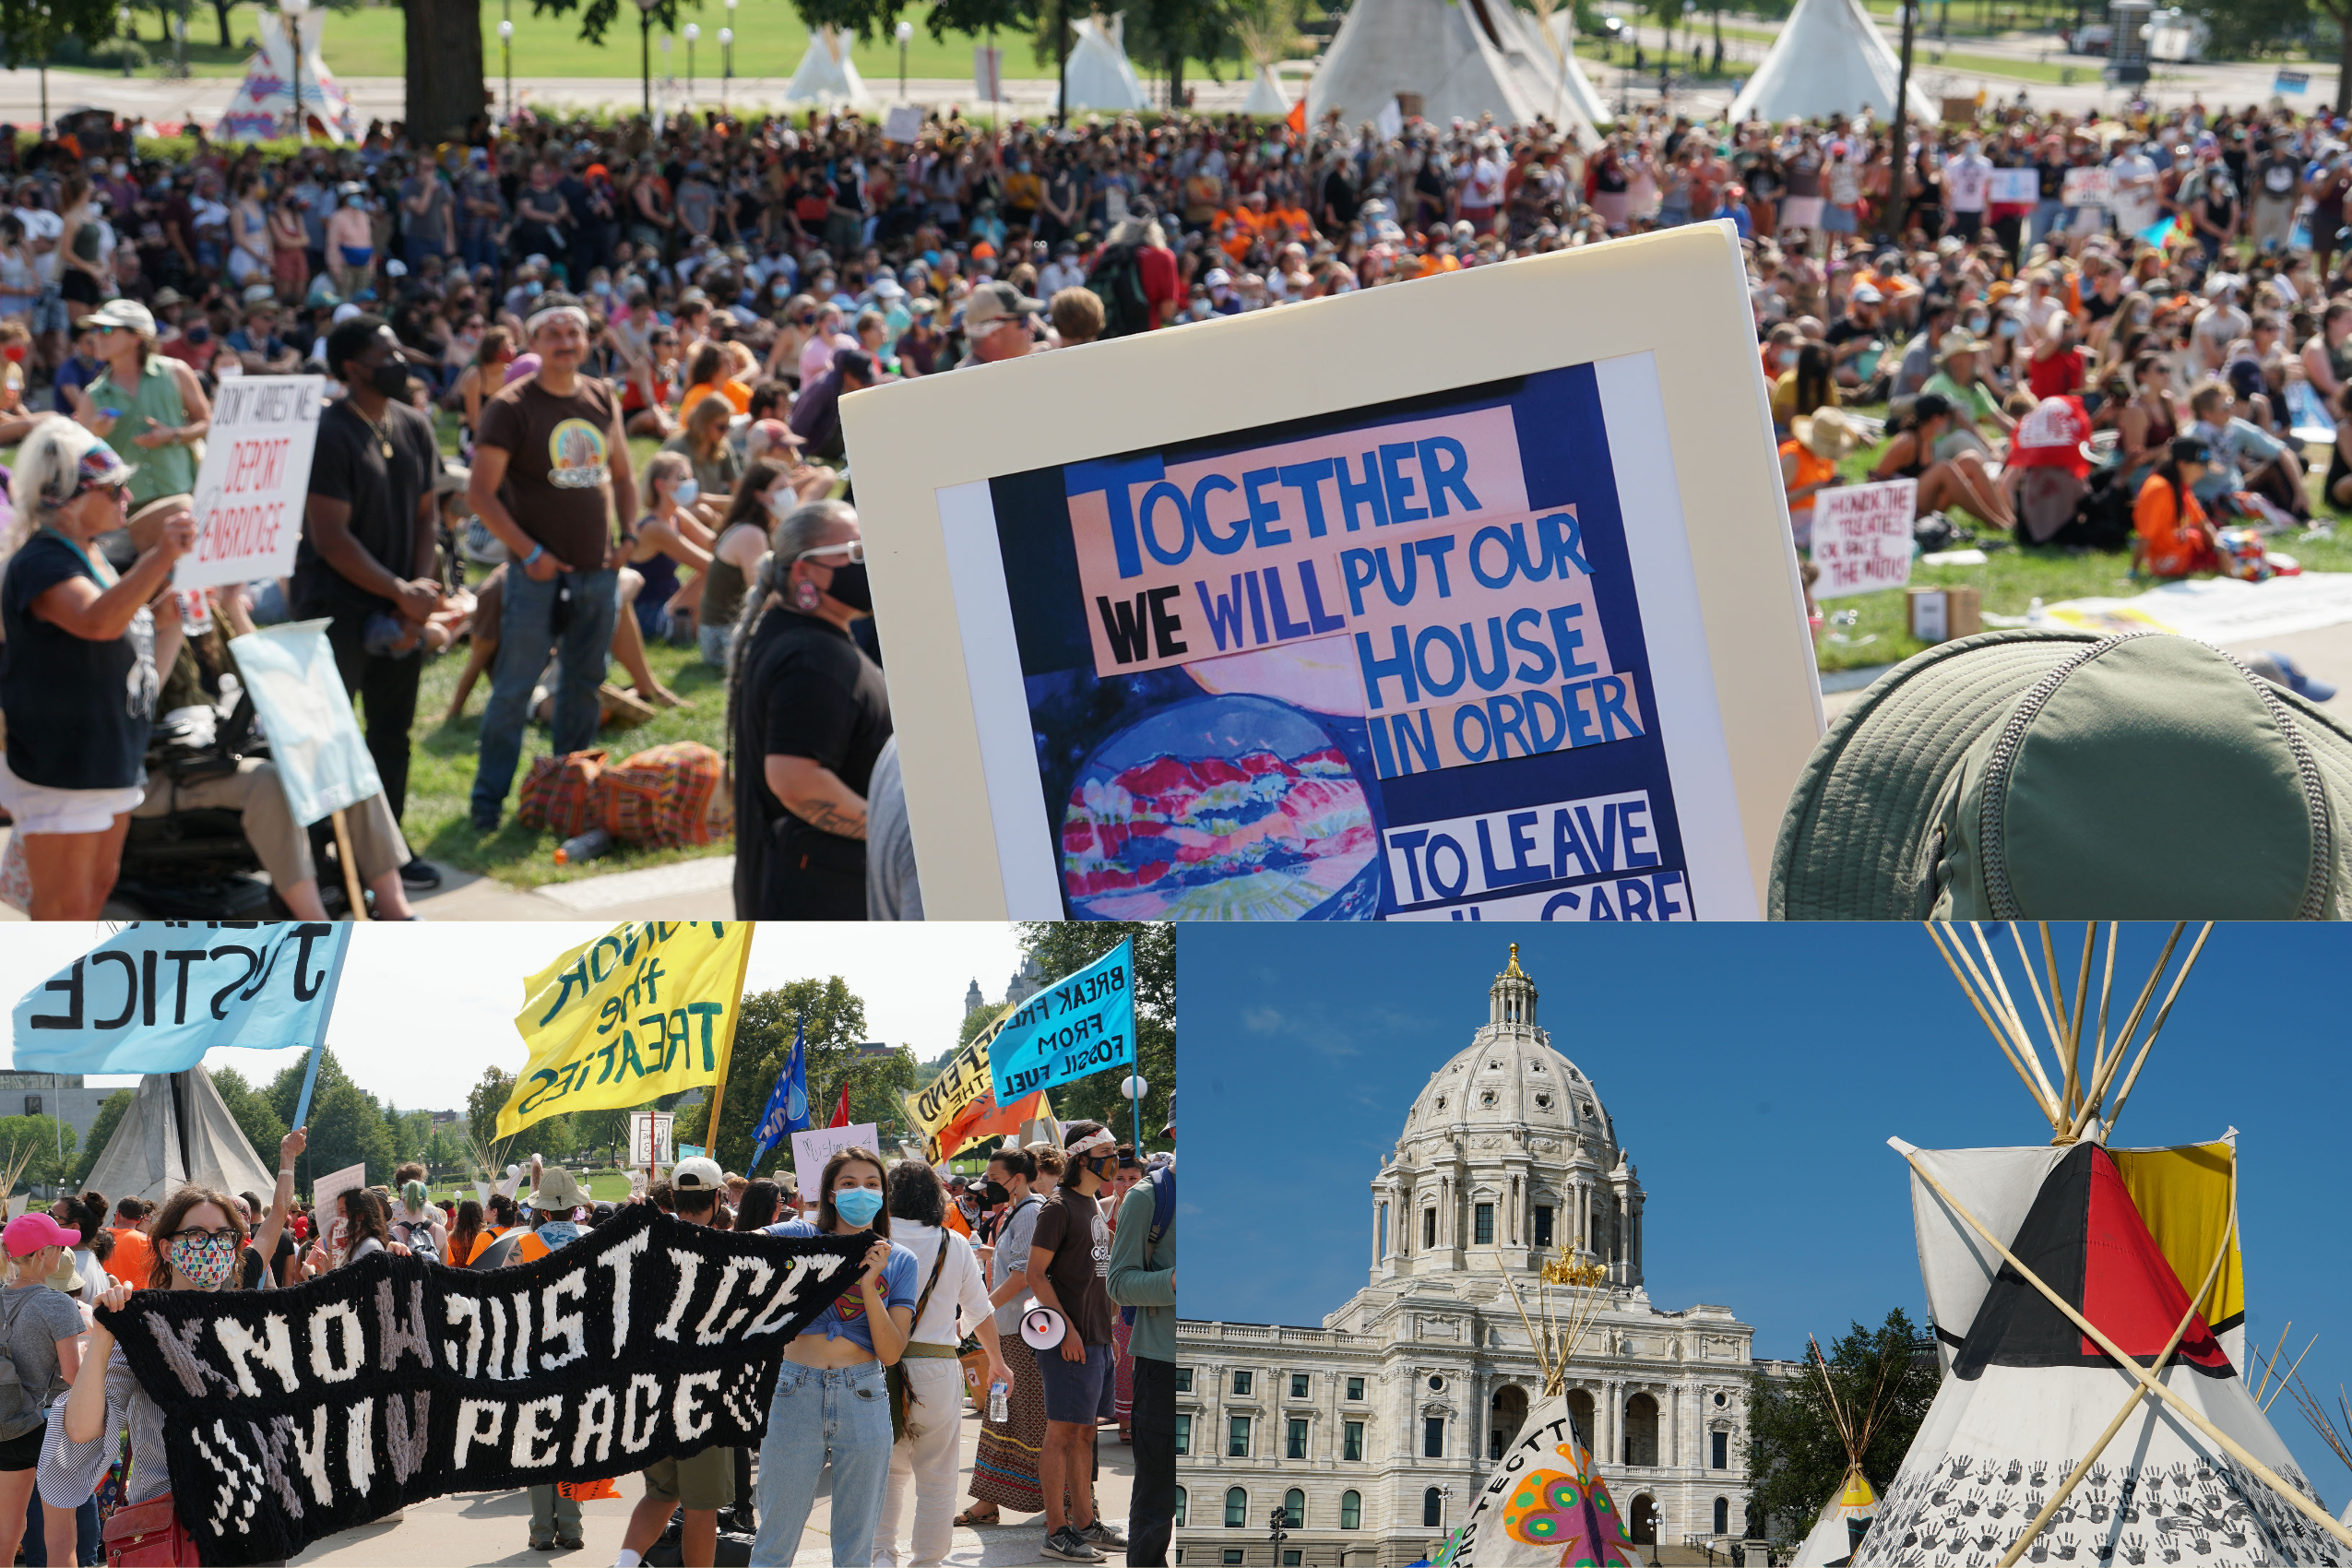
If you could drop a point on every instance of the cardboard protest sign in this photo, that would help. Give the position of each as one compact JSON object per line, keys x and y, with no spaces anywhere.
{"x":323,"y":763}
{"x":2009,"y":186}
{"x":902,"y":122}
{"x":155,"y":996}
{"x":1073,"y":1028}
{"x":2089,"y":187}
{"x":1862,"y":536}
{"x":252,"y":485}
{"x":650,"y":1133}
{"x":1320,"y":630}
{"x":293,"y":1414}
{"x":813,"y":1149}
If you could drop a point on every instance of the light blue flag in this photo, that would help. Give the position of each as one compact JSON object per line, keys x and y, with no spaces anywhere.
{"x":323,"y":762}
{"x":156,"y":997}
{"x":787,"y":1102}
{"x":1073,"y":1028}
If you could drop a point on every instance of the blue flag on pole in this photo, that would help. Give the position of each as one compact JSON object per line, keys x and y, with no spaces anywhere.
{"x":155,"y":998}
{"x":788,"y":1103}
{"x":1073,"y":1028}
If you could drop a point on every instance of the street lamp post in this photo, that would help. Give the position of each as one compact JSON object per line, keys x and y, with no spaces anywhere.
{"x":506,"y":54}
{"x":727,"y":54}
{"x":905,"y":34}
{"x":693,"y":31}
{"x":293,"y":10}
{"x":669,"y":78}
{"x":645,"y":51}
{"x":122,"y":19}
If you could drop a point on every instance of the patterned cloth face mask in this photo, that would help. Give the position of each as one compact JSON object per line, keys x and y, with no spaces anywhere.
{"x":206,"y":1261}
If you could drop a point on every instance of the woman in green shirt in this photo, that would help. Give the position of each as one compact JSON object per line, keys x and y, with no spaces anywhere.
{"x":159,"y":405}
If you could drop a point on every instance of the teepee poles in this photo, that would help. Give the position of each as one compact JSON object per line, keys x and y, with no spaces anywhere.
{"x":2132,"y":1401}
{"x":2183,"y":1407}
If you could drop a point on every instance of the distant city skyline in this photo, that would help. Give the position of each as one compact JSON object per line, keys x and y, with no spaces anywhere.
{"x":1753,"y":1073}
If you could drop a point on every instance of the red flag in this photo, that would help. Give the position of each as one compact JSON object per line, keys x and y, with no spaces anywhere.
{"x":842,"y":1112}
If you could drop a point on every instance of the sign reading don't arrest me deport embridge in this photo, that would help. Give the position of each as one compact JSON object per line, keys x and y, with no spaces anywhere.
{"x":251,"y":488}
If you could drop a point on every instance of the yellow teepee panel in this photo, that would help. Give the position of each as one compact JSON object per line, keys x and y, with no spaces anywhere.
{"x":1858,"y":1500}
{"x":2184,"y":1196}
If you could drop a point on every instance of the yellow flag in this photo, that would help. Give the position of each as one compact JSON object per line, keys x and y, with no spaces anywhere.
{"x":646,"y":1009}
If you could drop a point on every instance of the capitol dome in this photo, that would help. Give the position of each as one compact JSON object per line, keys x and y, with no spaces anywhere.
{"x":1509,"y":1077}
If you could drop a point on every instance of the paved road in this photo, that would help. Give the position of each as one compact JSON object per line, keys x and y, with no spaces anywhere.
{"x":495,"y":1528}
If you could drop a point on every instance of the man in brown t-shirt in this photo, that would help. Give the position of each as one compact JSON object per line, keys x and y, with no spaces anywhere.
{"x":1068,"y":1254}
{"x":550,"y":469}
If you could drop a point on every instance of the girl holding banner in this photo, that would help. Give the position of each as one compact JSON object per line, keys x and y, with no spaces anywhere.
{"x":831,"y":1400}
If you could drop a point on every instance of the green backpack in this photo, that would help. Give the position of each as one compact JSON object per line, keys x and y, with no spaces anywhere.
{"x":2046,"y":774}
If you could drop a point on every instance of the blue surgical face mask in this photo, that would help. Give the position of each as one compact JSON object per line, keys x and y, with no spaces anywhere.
{"x":600,"y":287}
{"x":688,"y":492}
{"x":857,"y":1205}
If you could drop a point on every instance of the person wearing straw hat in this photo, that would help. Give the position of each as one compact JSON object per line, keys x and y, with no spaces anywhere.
{"x":1961,"y":379}
{"x":1809,"y":460}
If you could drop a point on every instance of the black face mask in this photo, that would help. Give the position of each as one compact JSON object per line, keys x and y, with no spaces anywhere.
{"x":995,"y":1192}
{"x":391,"y":378}
{"x":850,"y":587}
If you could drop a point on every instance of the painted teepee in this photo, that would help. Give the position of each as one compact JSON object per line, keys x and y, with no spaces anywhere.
{"x":2091,"y":1410}
{"x":1829,"y":59}
{"x":1544,"y":1503}
{"x":1461,"y":59}
{"x":827,"y":73}
{"x":263,"y":105}
{"x":1099,"y":74}
{"x":1845,"y":1518}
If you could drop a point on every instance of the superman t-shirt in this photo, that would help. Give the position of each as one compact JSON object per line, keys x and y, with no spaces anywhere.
{"x":845,"y":1318}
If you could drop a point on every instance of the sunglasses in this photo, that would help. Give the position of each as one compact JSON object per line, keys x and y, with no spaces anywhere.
{"x":850,"y":550}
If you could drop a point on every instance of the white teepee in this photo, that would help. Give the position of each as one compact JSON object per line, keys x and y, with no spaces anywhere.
{"x":2091,"y":1410}
{"x":1577,"y":87}
{"x":263,"y":104}
{"x":1848,"y":1515}
{"x":1829,"y":59}
{"x":826,"y":75}
{"x":1461,"y":58}
{"x":1099,"y":73}
{"x":177,"y":1133}
{"x":1266,"y":96}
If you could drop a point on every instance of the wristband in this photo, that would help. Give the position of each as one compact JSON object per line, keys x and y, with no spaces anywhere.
{"x":537,"y":551}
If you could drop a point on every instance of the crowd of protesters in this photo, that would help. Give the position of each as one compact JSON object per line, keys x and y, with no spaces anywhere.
{"x":1081,"y":1227}
{"x":2152,"y":360}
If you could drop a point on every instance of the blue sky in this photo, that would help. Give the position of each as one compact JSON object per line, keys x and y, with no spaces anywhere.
{"x":1754,"y":1074}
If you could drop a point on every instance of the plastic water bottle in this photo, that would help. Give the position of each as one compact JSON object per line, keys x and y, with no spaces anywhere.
{"x":997,"y":1407}
{"x":2034,"y":611}
{"x":586,"y":847}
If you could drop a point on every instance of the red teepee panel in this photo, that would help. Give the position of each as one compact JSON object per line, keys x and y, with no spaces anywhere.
{"x":2129,"y":1290}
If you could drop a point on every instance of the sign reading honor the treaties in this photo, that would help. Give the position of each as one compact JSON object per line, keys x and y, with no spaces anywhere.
{"x":293,"y":1414}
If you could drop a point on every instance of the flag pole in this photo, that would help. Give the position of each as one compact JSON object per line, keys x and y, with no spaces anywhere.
{"x":727,"y":1052}
{"x":343,"y":930}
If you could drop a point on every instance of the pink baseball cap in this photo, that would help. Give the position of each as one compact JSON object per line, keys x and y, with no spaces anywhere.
{"x":28,"y":1234}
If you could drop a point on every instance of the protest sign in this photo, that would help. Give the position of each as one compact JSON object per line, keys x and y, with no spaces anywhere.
{"x":645,"y":1010}
{"x":2089,"y":187}
{"x":327,"y":1189}
{"x":1073,"y":1028}
{"x":813,"y":1149}
{"x":155,"y":996}
{"x":291,"y":1414}
{"x":988,"y":72}
{"x":251,"y":487}
{"x":1236,"y":650}
{"x":649,"y":1133}
{"x":323,"y":763}
{"x":2010,"y":186}
{"x":1862,"y":536}
{"x":902,"y":122}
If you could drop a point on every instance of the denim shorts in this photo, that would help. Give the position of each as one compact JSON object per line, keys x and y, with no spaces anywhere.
{"x":1076,"y":1391}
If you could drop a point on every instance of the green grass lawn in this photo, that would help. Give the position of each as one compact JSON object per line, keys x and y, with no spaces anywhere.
{"x":2010,"y":580}
{"x":770,"y":37}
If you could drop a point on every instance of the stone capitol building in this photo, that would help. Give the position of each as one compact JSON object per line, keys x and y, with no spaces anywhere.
{"x":1375,"y":1431}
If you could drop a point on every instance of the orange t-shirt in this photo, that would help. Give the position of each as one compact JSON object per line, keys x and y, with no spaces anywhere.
{"x":738,"y":395}
{"x":2176,"y":546}
{"x":1811,"y":469}
{"x":133,"y":1255}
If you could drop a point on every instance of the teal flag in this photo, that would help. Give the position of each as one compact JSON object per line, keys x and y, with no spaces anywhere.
{"x":1073,"y":1028}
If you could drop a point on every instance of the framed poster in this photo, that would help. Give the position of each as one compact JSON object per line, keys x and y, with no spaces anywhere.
{"x":1468,"y":599}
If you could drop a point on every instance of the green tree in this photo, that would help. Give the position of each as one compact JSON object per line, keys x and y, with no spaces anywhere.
{"x":101,"y":1131}
{"x":1064,"y":947}
{"x":1169,"y":31}
{"x":285,"y":1091}
{"x":601,"y":1131}
{"x":484,"y":1100}
{"x":975,"y":1021}
{"x":254,"y":1115}
{"x":1795,"y":1458}
{"x":2244,"y":29}
{"x":346,"y":1128}
{"x":31,"y":30}
{"x":836,"y":1019}
{"x":447,"y":1148}
{"x":40,"y":1138}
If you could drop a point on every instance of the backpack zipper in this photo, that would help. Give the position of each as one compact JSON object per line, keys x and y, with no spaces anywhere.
{"x":1991,"y":814}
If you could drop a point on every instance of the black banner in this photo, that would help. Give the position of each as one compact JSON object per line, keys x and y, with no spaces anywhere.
{"x":293,"y":1414}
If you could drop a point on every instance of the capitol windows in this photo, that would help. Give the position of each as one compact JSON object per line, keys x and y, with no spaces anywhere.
{"x":1352,"y":1510}
{"x":1721,"y":1457}
{"x":1543,"y":1225}
{"x":1294,"y":1510}
{"x":1183,"y":1380}
{"x":1295,"y":1445}
{"x":1298,"y":1385}
{"x":1179,"y":1507}
{"x":1434,"y":1437}
{"x":1351,"y":1441}
{"x":1543,"y":1102}
{"x":1184,"y":1434}
{"x":1354,"y":1388}
{"x":1241,"y":1381}
{"x":1640,"y":1430}
{"x":1237,"y":1438}
{"x":1429,"y":1229}
{"x":1232,"y":1556}
{"x":1483,"y":1225}
{"x":1237,"y":1507}
{"x":1433,"y":1509}
{"x":1722,"y":1514}
{"x":1383,"y":1231}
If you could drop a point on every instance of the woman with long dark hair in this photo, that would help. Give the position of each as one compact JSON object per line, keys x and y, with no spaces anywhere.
{"x":2174,"y":532}
{"x":763,"y":1204}
{"x":465,"y":1234}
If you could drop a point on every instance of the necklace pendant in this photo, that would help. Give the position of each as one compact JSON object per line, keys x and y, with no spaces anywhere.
{"x":387,"y":451}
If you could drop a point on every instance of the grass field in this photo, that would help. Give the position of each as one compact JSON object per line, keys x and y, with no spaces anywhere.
{"x":770,"y":37}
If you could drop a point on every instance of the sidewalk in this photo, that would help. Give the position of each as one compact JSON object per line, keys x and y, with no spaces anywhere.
{"x":494,"y":1527}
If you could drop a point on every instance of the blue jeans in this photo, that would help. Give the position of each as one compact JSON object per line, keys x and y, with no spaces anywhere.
{"x":2047,"y":215}
{"x":841,"y":1413}
{"x":526,"y":635}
